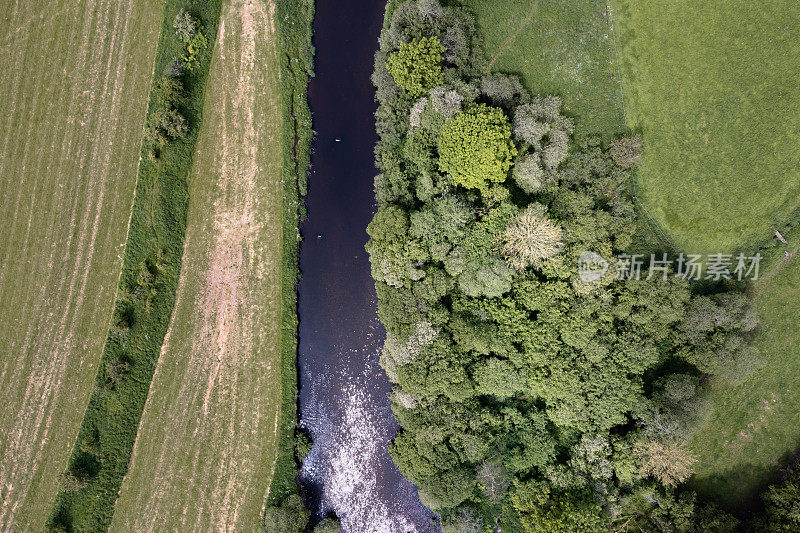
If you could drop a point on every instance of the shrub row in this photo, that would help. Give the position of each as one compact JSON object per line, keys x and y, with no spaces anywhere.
{"x":151,"y":266}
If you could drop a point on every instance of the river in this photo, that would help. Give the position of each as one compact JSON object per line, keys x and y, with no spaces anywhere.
{"x":344,"y":401}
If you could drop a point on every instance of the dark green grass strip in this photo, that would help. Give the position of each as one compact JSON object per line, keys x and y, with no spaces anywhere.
{"x":296,"y":56}
{"x":144,"y":302}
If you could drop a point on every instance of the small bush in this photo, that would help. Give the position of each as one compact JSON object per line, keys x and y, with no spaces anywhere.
{"x":116,"y":372}
{"x":70,"y":482}
{"x":174,"y":69}
{"x":626,"y":151}
{"x":185,"y":26}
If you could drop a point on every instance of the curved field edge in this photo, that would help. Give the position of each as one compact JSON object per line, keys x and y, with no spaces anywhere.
{"x":73,"y":96}
{"x":206,"y":446}
{"x":714,"y":91}
{"x":751,"y":431}
{"x":144,"y":302}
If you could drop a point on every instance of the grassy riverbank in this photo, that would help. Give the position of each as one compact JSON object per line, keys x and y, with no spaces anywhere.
{"x":145,"y":297}
{"x":296,"y":58}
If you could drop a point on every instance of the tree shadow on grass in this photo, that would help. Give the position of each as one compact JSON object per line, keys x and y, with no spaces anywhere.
{"x":738,"y":490}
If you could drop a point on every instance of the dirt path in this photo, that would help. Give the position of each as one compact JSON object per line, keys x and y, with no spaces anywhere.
{"x":513,"y":35}
{"x":72,"y":101}
{"x":204,"y":454}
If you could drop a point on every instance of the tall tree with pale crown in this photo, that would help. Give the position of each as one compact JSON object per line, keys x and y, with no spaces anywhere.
{"x":531,"y":239}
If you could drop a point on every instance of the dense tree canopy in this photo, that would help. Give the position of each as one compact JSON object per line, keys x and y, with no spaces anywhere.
{"x":475,"y":147}
{"x":525,"y":393}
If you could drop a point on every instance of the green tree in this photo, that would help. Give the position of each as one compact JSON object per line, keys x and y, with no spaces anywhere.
{"x":416,"y":65}
{"x":568,"y":512}
{"x":290,"y":517}
{"x":166,"y":124}
{"x":475,"y":147}
{"x":185,"y":26}
{"x":329,"y":525}
{"x":783,"y":505}
{"x":168,"y":90}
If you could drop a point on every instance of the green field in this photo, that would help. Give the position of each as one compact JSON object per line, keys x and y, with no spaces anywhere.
{"x":715,"y":90}
{"x":146,"y":292}
{"x":74,"y":83}
{"x":753,"y":430}
{"x":206,"y":448}
{"x":562,"y":47}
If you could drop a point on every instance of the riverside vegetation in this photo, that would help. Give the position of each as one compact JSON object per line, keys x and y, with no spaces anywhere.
{"x":527,"y":396}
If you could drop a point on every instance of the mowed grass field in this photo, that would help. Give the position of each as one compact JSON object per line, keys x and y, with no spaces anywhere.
{"x":74,"y":84}
{"x":714,"y":90}
{"x":561,"y":47}
{"x":714,"y":87}
{"x":207,"y":443}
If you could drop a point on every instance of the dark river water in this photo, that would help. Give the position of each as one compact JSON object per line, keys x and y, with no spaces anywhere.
{"x":344,"y":400}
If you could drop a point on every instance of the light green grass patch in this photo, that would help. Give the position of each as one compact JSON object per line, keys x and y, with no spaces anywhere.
{"x":715,"y":89}
{"x":561,"y":47}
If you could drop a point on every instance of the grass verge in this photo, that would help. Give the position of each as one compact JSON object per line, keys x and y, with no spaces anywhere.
{"x":294,"y":23}
{"x":144,"y":303}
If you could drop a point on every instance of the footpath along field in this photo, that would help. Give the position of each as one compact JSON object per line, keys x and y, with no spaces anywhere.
{"x":207,"y":443}
{"x":561,"y":47}
{"x":74,"y":82}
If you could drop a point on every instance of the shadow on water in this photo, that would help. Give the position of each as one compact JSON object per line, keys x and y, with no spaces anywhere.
{"x":344,"y":401}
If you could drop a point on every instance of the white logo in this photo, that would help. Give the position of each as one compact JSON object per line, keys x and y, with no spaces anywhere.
{"x":591,"y":266}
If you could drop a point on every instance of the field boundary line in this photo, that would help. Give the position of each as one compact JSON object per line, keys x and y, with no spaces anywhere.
{"x":639,"y":206}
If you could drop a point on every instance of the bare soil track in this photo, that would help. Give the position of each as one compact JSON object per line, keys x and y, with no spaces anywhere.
{"x":74,"y":82}
{"x":205,"y":451}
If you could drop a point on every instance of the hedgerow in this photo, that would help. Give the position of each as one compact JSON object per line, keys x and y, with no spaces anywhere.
{"x":146,"y":293}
